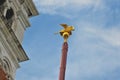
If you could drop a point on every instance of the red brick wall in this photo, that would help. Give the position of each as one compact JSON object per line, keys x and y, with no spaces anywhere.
{"x":2,"y":74}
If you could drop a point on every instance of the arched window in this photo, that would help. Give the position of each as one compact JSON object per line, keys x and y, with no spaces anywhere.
{"x":9,"y":14}
{"x":9,"y":17}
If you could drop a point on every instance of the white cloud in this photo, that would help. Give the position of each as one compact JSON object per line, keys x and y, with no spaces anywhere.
{"x":109,"y":35}
{"x":65,"y":8}
{"x":95,"y":51}
{"x":112,"y":36}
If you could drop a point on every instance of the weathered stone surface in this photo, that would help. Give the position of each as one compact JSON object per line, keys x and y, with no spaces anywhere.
{"x":13,"y":22}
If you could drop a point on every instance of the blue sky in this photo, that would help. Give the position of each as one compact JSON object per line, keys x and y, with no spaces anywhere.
{"x":94,"y":47}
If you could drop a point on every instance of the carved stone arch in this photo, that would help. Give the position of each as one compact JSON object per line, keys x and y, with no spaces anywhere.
{"x":7,"y":65}
{"x":5,"y":69}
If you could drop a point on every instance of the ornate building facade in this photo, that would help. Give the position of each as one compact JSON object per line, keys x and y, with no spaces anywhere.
{"x":14,"y":16}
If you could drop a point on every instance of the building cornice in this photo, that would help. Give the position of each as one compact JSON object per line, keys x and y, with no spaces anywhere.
{"x":32,"y":7}
{"x":13,"y":42}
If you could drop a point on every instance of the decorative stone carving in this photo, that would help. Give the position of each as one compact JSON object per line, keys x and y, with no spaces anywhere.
{"x":21,"y":1}
{"x":5,"y":69}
